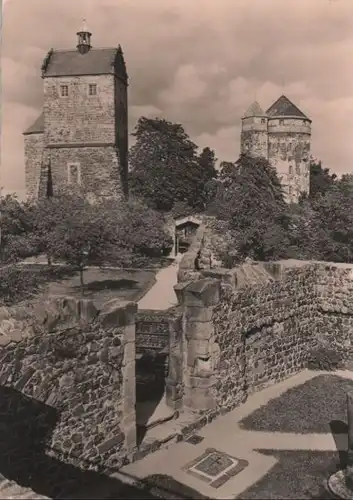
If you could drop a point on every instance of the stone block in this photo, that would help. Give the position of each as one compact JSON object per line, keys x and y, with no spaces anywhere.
{"x":129,"y":353}
{"x":179,"y":290}
{"x":198,"y":399}
{"x":191,"y":381}
{"x":116,"y":314}
{"x":129,"y":333}
{"x":196,"y":330}
{"x":110,"y":443}
{"x":88,"y":311}
{"x":204,"y":292}
{"x":195,"y":349}
{"x":196,"y":313}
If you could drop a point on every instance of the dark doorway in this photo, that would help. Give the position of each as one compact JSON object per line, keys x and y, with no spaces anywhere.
{"x":151,"y":373}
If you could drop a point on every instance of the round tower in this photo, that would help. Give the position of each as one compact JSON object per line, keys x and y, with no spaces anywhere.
{"x":254,"y":131}
{"x":289,"y":136}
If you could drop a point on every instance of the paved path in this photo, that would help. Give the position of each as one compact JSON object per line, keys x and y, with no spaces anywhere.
{"x":162,"y":295}
{"x":225,"y":435}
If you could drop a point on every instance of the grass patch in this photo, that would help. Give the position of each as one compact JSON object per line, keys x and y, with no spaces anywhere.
{"x":298,"y":474}
{"x":306,"y":408}
{"x":35,"y":281}
{"x":102,"y":285}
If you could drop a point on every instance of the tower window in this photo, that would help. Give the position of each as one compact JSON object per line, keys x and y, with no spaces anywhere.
{"x":64,"y":90}
{"x":74,"y":173}
{"x":92,"y":89}
{"x":290,"y":170}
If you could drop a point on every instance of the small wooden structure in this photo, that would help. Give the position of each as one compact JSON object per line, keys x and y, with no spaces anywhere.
{"x":185,"y":228}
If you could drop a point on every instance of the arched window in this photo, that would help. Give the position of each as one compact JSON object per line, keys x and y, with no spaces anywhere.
{"x":290,"y":169}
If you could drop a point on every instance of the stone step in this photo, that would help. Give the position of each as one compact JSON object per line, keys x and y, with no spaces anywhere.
{"x":150,"y":414}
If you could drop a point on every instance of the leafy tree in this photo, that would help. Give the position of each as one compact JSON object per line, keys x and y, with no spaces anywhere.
{"x":321,"y":180}
{"x":82,"y":233}
{"x":333,"y":215}
{"x":141,"y":230}
{"x":17,"y":236}
{"x":165,"y":167}
{"x":250,"y":197}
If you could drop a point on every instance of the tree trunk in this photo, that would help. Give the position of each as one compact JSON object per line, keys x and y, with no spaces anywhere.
{"x":49,"y":260}
{"x":349,"y":468}
{"x":82,"y":286}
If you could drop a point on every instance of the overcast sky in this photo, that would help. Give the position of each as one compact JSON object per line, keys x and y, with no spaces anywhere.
{"x":197,"y":62}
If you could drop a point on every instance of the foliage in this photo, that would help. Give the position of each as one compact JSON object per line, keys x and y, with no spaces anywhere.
{"x":17,"y":237}
{"x":75,"y":231}
{"x":165,"y":167}
{"x":141,"y":231}
{"x":250,"y":198}
{"x":321,"y":180}
{"x":333,"y":220}
{"x":18,"y":283}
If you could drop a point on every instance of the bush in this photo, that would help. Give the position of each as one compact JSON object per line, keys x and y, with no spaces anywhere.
{"x":325,"y":358}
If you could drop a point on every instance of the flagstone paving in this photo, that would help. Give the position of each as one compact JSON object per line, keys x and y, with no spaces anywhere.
{"x":224,"y":435}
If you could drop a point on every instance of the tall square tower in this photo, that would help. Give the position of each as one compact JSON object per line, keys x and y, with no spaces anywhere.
{"x":81,"y":137}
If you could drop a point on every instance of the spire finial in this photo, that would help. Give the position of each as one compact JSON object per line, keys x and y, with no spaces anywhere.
{"x":84,"y":25}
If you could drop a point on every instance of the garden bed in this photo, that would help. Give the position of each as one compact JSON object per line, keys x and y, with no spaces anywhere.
{"x":307,"y":408}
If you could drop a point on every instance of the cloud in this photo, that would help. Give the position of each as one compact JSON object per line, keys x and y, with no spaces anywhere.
{"x":198,"y":63}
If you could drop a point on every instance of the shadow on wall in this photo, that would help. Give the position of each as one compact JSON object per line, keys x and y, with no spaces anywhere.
{"x":150,"y":389}
{"x":26,"y":426}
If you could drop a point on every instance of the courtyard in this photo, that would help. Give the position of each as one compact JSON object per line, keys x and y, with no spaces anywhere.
{"x":284,"y":442}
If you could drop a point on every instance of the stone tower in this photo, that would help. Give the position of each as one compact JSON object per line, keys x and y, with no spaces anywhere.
{"x":254,"y":137}
{"x":81,"y":137}
{"x":288,"y":137}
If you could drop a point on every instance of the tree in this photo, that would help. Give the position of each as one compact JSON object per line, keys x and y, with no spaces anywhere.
{"x":141,"y":230}
{"x":333,"y":215}
{"x":82,"y":232}
{"x":17,"y":232}
{"x":165,"y":167}
{"x":321,"y":180}
{"x":250,"y":197}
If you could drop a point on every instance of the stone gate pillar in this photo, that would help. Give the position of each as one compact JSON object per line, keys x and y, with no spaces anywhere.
{"x":198,"y":300}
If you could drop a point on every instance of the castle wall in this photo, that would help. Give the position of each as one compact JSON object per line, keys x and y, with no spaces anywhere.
{"x":33,"y":149}
{"x":254,"y":137}
{"x":79,"y":118}
{"x":68,"y":371}
{"x":99,"y":167}
{"x":288,"y":152}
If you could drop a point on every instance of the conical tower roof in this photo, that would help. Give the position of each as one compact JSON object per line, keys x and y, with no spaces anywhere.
{"x":284,"y":107}
{"x":254,"y":110}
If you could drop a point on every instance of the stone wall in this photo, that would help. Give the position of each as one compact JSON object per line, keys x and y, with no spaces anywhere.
{"x":255,"y":325}
{"x":79,"y":363}
{"x":187,"y":270}
{"x":33,"y":150}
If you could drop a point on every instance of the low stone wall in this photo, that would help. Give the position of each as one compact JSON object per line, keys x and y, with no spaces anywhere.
{"x":255,"y":325}
{"x":187,"y":269}
{"x":79,"y":363}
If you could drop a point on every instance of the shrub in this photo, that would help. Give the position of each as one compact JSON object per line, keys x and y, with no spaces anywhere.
{"x":325,"y":358}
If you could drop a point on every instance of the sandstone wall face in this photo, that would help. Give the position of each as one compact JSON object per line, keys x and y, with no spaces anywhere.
{"x":79,"y":365}
{"x":100,"y":171}
{"x":254,"y":142}
{"x":264,"y":331}
{"x":79,"y":118}
{"x":334,"y":323}
{"x":289,"y":154}
{"x":33,"y":144}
